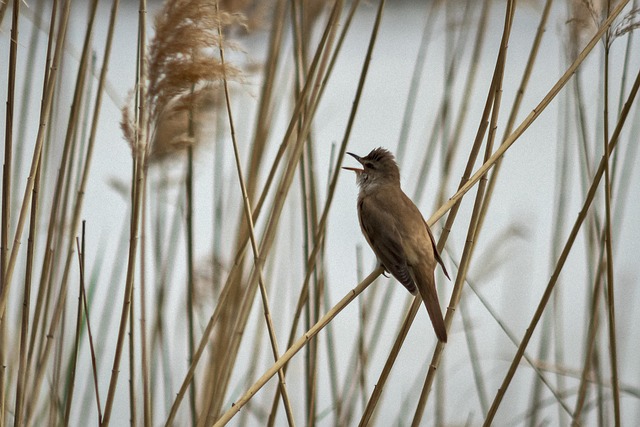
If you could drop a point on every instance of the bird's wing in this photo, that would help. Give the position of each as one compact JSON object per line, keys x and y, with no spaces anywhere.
{"x":385,"y":240}
{"x":435,"y":250}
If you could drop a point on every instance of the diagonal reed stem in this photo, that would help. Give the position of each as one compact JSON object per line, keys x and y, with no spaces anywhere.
{"x":297,"y":346}
{"x":563,"y":256}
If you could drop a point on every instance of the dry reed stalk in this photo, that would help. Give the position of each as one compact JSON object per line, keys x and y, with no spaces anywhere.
{"x":570,"y":240}
{"x":297,"y":346}
{"x":29,"y":73}
{"x":302,"y":298}
{"x":190,"y":260}
{"x":386,"y":370}
{"x":514,"y":112}
{"x":416,"y":77}
{"x":320,"y":59}
{"x":319,"y":237}
{"x":46,"y":103}
{"x":140,"y":141}
{"x":22,"y":379}
{"x":607,"y":239}
{"x":3,"y":9}
{"x":61,"y":192}
{"x":440,"y":134}
{"x":69,"y":396}
{"x":7,"y":164}
{"x":89,"y":333}
{"x":254,"y":246}
{"x":454,"y":143}
{"x":223,"y":299}
{"x":6,"y":192}
{"x":533,"y":115}
{"x":375,"y":396}
{"x":144,"y":352}
{"x":477,"y":206}
{"x":265,"y":107}
{"x":47,"y":257}
{"x":594,"y":322}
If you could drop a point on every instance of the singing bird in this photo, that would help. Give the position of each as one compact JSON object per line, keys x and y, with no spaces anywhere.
{"x":397,"y":232}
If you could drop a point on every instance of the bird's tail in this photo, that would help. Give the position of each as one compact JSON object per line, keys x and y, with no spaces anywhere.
{"x":427,"y":286}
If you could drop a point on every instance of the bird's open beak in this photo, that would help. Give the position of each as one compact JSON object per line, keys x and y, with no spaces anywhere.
{"x":356,"y":170}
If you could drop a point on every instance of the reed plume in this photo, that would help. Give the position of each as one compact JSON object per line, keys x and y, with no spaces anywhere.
{"x":183,"y":73}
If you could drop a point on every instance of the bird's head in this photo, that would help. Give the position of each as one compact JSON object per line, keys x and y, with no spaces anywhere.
{"x":378,"y":167}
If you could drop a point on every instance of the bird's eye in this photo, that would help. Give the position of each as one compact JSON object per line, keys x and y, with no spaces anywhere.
{"x":370,"y":165}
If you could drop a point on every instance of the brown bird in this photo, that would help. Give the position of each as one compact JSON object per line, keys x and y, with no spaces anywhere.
{"x":397,"y":232}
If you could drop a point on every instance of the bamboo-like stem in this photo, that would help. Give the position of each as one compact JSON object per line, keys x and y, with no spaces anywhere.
{"x":3,"y":9}
{"x":6,"y":192}
{"x":440,"y":135}
{"x":24,"y":331}
{"x":607,"y":241}
{"x":60,"y":196}
{"x":139,"y":153}
{"x":47,"y":100}
{"x":83,"y":182}
{"x":302,"y":298}
{"x":41,"y":291}
{"x":297,"y":346}
{"x":6,"y":166}
{"x":318,"y":239}
{"x":563,"y":256}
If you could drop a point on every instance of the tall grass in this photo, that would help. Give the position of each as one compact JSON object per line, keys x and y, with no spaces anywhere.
{"x":242,"y":95}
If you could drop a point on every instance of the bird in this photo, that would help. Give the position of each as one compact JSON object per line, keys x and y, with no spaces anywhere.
{"x":397,"y":232}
